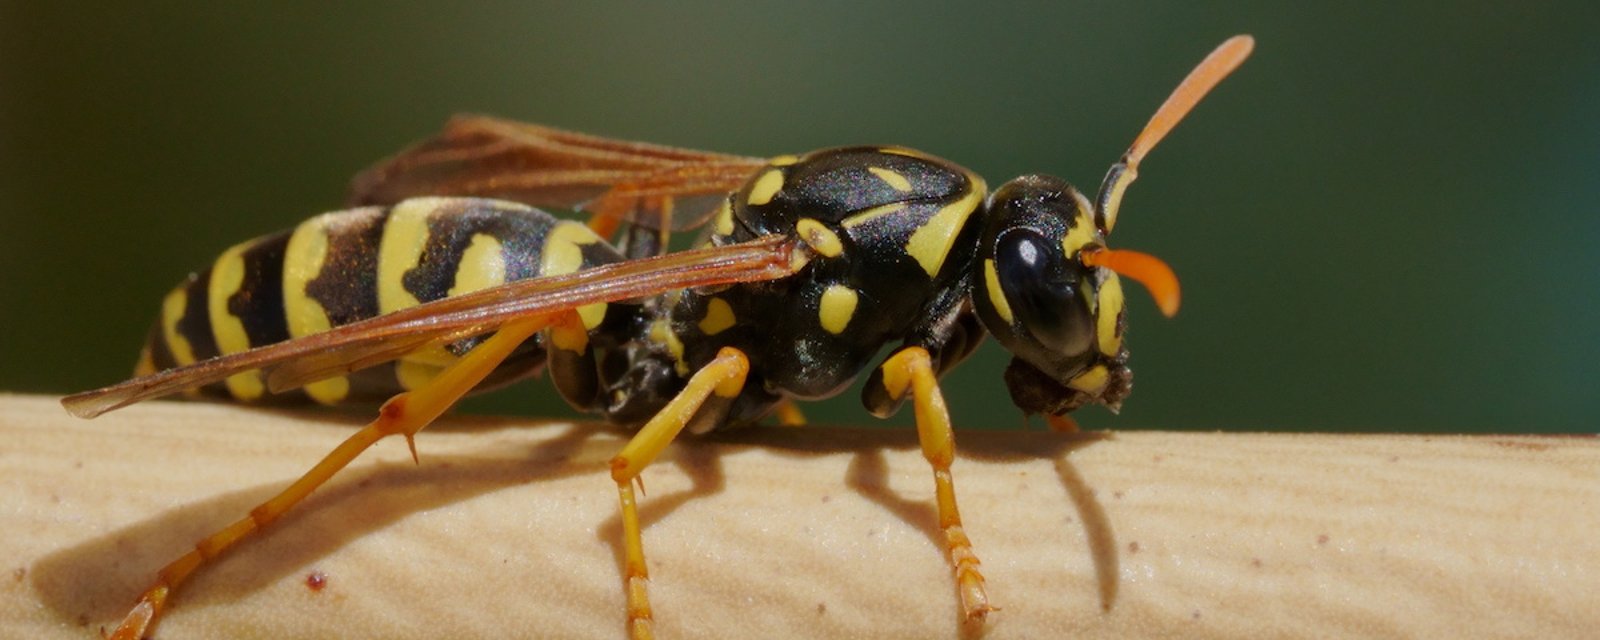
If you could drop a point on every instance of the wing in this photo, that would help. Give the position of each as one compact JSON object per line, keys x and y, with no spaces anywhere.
{"x":656,"y":186}
{"x":389,"y":336}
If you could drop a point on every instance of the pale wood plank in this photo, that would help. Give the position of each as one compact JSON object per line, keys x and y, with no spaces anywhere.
{"x":507,"y":528}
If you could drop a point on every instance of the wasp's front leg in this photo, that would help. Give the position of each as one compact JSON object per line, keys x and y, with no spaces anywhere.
{"x":911,"y":369}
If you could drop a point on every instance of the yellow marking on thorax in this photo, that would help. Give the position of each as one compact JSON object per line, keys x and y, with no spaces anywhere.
{"x":997,"y":295}
{"x":899,"y":182}
{"x":303,"y":259}
{"x":719,"y":316}
{"x":837,"y":306}
{"x":783,"y":160}
{"x":722,"y":223}
{"x":661,"y":333}
{"x":819,"y":237}
{"x":562,"y":254}
{"x":870,"y":214}
{"x":903,"y":151}
{"x":930,"y":244}
{"x":798,"y":260}
{"x":765,"y":187}
{"x":227,"y":276}
{"x":172,"y":310}
{"x":1083,"y":231}
{"x":1108,"y":308}
{"x":1092,"y":381}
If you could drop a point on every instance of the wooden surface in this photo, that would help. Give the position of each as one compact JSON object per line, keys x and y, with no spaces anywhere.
{"x":509,"y":527}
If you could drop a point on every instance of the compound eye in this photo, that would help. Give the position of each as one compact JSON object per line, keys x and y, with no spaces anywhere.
{"x":1044,"y":291}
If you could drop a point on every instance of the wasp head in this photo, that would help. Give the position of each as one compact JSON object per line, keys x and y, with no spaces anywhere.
{"x":1047,"y":286}
{"x":1049,"y":291}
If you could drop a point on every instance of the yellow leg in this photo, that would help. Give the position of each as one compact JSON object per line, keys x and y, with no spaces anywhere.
{"x":404,"y":415}
{"x":911,"y":368}
{"x":567,"y":332}
{"x":724,"y":376}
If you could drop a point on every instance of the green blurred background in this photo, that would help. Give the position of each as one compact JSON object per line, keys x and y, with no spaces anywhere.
{"x":1385,"y":221}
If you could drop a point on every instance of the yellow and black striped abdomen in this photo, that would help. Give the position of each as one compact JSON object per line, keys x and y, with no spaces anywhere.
{"x":350,"y":265}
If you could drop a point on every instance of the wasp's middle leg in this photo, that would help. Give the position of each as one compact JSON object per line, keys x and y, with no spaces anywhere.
{"x":911,"y":370}
{"x":721,"y":381}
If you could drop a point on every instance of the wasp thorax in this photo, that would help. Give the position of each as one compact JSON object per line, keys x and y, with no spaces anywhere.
{"x":1062,"y":319}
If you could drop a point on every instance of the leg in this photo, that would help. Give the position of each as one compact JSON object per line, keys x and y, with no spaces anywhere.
{"x":404,"y":415}
{"x":911,"y":368}
{"x":1062,"y":423}
{"x":789,"y":414}
{"x":609,"y":214}
{"x":724,"y":376}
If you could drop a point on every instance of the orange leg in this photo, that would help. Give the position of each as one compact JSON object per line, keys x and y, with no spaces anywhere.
{"x":612,"y":209}
{"x":1062,"y":424}
{"x":609,"y":214}
{"x":724,"y":376}
{"x":789,"y":414}
{"x":912,"y":369}
{"x":403,"y":415}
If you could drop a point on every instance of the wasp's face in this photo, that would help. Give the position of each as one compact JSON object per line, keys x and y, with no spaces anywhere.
{"x":1061,"y":318}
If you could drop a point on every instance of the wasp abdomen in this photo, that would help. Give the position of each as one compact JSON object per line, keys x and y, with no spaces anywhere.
{"x":351,"y":265}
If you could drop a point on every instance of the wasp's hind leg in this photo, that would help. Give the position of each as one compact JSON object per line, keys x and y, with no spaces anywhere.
{"x":709,"y":392}
{"x":404,"y":414}
{"x":912,"y":369}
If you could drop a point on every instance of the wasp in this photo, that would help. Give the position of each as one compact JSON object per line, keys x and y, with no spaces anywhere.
{"x":448,"y":277}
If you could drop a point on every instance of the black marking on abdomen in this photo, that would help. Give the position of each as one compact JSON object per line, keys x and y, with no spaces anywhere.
{"x":521,"y":234}
{"x":258,"y":304}
{"x":195,"y":325}
{"x":347,"y":285}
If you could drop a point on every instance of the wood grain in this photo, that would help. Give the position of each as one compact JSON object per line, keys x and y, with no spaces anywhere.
{"x":509,"y":527}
